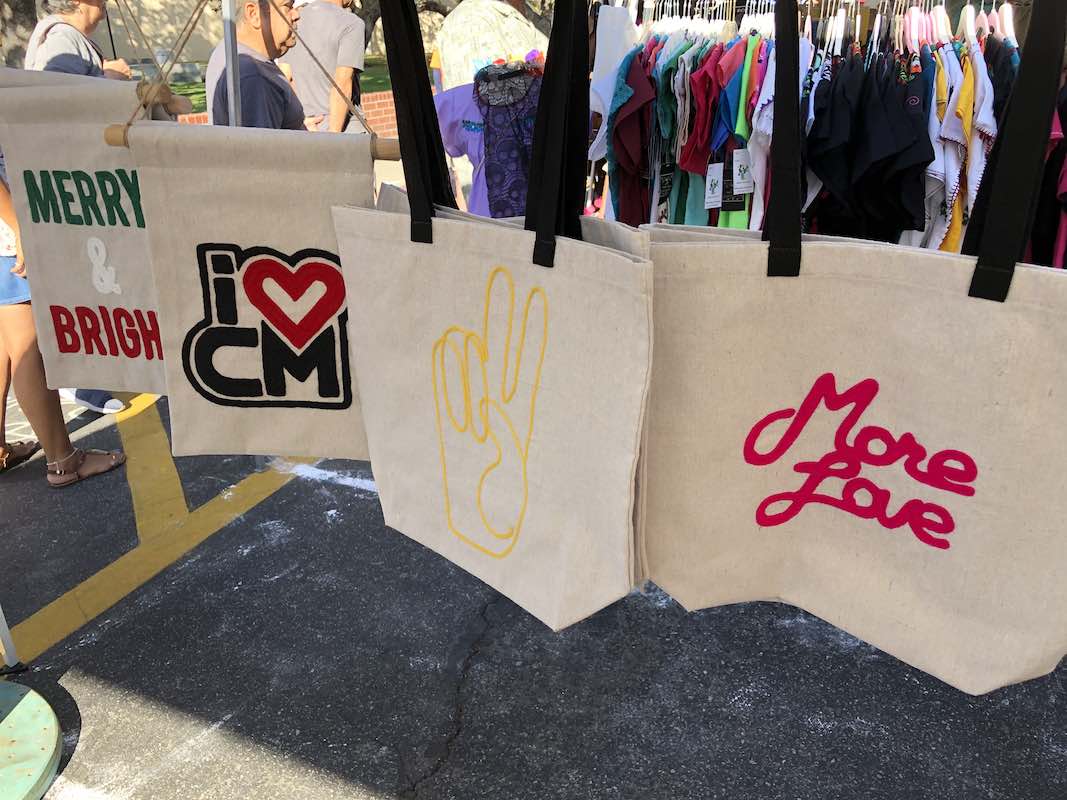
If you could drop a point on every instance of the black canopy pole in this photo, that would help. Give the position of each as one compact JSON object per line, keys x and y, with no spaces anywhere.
{"x":110,"y":35}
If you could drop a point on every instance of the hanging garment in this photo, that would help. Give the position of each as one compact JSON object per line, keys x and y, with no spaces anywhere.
{"x":983,"y":129}
{"x":955,"y":139}
{"x":507,"y":97}
{"x":1001,"y":74}
{"x":1042,"y":247}
{"x":491,"y":123}
{"x":935,"y":170}
{"x":629,"y":180}
{"x":616,"y":36}
{"x":704,"y":88}
{"x":759,"y":144}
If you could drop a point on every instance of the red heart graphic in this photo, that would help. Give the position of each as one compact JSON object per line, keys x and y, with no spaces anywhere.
{"x":295,"y":282}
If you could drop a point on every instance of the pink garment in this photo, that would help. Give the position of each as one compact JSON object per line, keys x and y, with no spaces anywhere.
{"x":1055,"y":137}
{"x":730,"y":63}
{"x":705,"y":92}
{"x":1059,"y":251}
{"x":759,"y":75}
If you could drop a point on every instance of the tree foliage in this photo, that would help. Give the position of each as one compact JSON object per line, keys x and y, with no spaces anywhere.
{"x":17,"y":20}
{"x":539,"y":12}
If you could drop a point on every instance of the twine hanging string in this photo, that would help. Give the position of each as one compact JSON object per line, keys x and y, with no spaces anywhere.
{"x":145,"y":44}
{"x":126,"y":29}
{"x":175,"y":53}
{"x":352,"y":107}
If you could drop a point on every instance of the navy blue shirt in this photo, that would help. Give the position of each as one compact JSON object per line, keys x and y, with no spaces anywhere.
{"x":267,"y":98}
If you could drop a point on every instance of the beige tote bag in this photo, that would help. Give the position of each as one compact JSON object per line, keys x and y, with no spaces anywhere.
{"x":503,"y":392}
{"x":84,"y":228}
{"x":255,"y":311}
{"x":870,"y":432}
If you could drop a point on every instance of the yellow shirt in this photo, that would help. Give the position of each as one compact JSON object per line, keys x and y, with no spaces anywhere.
{"x":940,"y":87}
{"x":965,"y":112}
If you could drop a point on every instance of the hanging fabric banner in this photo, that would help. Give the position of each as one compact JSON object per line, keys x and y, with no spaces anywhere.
{"x":255,"y":312}
{"x":84,"y":231}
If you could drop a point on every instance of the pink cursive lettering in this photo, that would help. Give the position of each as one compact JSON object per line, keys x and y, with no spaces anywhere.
{"x":946,"y":470}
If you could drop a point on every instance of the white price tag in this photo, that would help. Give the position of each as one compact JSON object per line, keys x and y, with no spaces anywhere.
{"x":713,"y":188}
{"x":743,"y":182}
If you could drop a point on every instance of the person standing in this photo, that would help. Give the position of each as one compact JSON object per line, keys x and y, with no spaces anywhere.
{"x":267,"y":98}
{"x":337,"y":37}
{"x":61,"y":43}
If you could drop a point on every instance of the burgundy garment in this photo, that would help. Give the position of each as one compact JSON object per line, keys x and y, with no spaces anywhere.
{"x":629,"y":136}
{"x":704,"y":90}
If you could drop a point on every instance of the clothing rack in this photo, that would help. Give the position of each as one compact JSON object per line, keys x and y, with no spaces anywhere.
{"x":895,"y":59}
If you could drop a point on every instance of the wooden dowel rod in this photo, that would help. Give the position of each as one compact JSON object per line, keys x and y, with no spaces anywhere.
{"x":381,"y":149}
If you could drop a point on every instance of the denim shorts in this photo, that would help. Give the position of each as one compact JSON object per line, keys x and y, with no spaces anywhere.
{"x":12,"y":288}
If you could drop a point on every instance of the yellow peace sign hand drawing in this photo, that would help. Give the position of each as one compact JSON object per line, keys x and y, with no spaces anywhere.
{"x":485,"y":387}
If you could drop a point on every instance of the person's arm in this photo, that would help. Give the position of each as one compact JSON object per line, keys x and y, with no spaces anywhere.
{"x":117,"y":70}
{"x":350,"y":52}
{"x":7,"y":214}
{"x":343,"y":77}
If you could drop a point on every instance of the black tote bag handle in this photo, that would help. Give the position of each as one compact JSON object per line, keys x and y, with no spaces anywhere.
{"x":421,"y":149}
{"x":556,"y":187}
{"x":782,"y":226}
{"x":1007,"y":201}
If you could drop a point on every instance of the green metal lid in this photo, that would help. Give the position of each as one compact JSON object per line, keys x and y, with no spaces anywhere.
{"x":31,"y":743}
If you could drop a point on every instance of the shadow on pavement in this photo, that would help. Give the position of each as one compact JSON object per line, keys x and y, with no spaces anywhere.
{"x":310,"y":633}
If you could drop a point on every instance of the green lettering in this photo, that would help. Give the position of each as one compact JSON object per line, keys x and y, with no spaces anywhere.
{"x":86,"y":190}
{"x":133,"y":189}
{"x":112,"y":196}
{"x":65,"y":197}
{"x":44,"y":207}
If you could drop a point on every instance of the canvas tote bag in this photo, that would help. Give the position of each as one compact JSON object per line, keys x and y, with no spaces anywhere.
{"x":84,"y":229}
{"x":871,"y":432}
{"x":255,"y":314}
{"x":510,"y":367}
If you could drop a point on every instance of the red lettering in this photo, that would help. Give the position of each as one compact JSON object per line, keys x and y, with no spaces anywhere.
{"x":90,"y":329}
{"x":105,"y":318}
{"x":149,"y":334}
{"x":947,"y":470}
{"x":107,"y":332}
{"x":128,"y":341}
{"x":66,"y":337}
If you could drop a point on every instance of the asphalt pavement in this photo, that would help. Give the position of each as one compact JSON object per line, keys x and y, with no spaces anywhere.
{"x":262,"y":634}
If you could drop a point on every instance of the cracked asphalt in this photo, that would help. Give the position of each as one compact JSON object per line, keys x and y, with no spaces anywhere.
{"x":307,"y":651}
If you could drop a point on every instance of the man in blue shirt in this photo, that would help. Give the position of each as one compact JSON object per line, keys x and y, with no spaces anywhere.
{"x":267,"y":97}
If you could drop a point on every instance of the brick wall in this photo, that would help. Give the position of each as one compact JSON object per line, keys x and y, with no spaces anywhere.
{"x":381,"y":113}
{"x":378,"y":106}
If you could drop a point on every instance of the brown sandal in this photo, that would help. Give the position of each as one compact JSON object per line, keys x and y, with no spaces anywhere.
{"x":17,"y":452}
{"x":73,"y":468}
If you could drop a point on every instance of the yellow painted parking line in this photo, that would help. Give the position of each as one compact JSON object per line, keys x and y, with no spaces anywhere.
{"x":167,"y":530}
{"x":158,"y":497}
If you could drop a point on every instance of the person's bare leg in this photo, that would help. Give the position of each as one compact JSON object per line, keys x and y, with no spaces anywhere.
{"x":39,"y":403}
